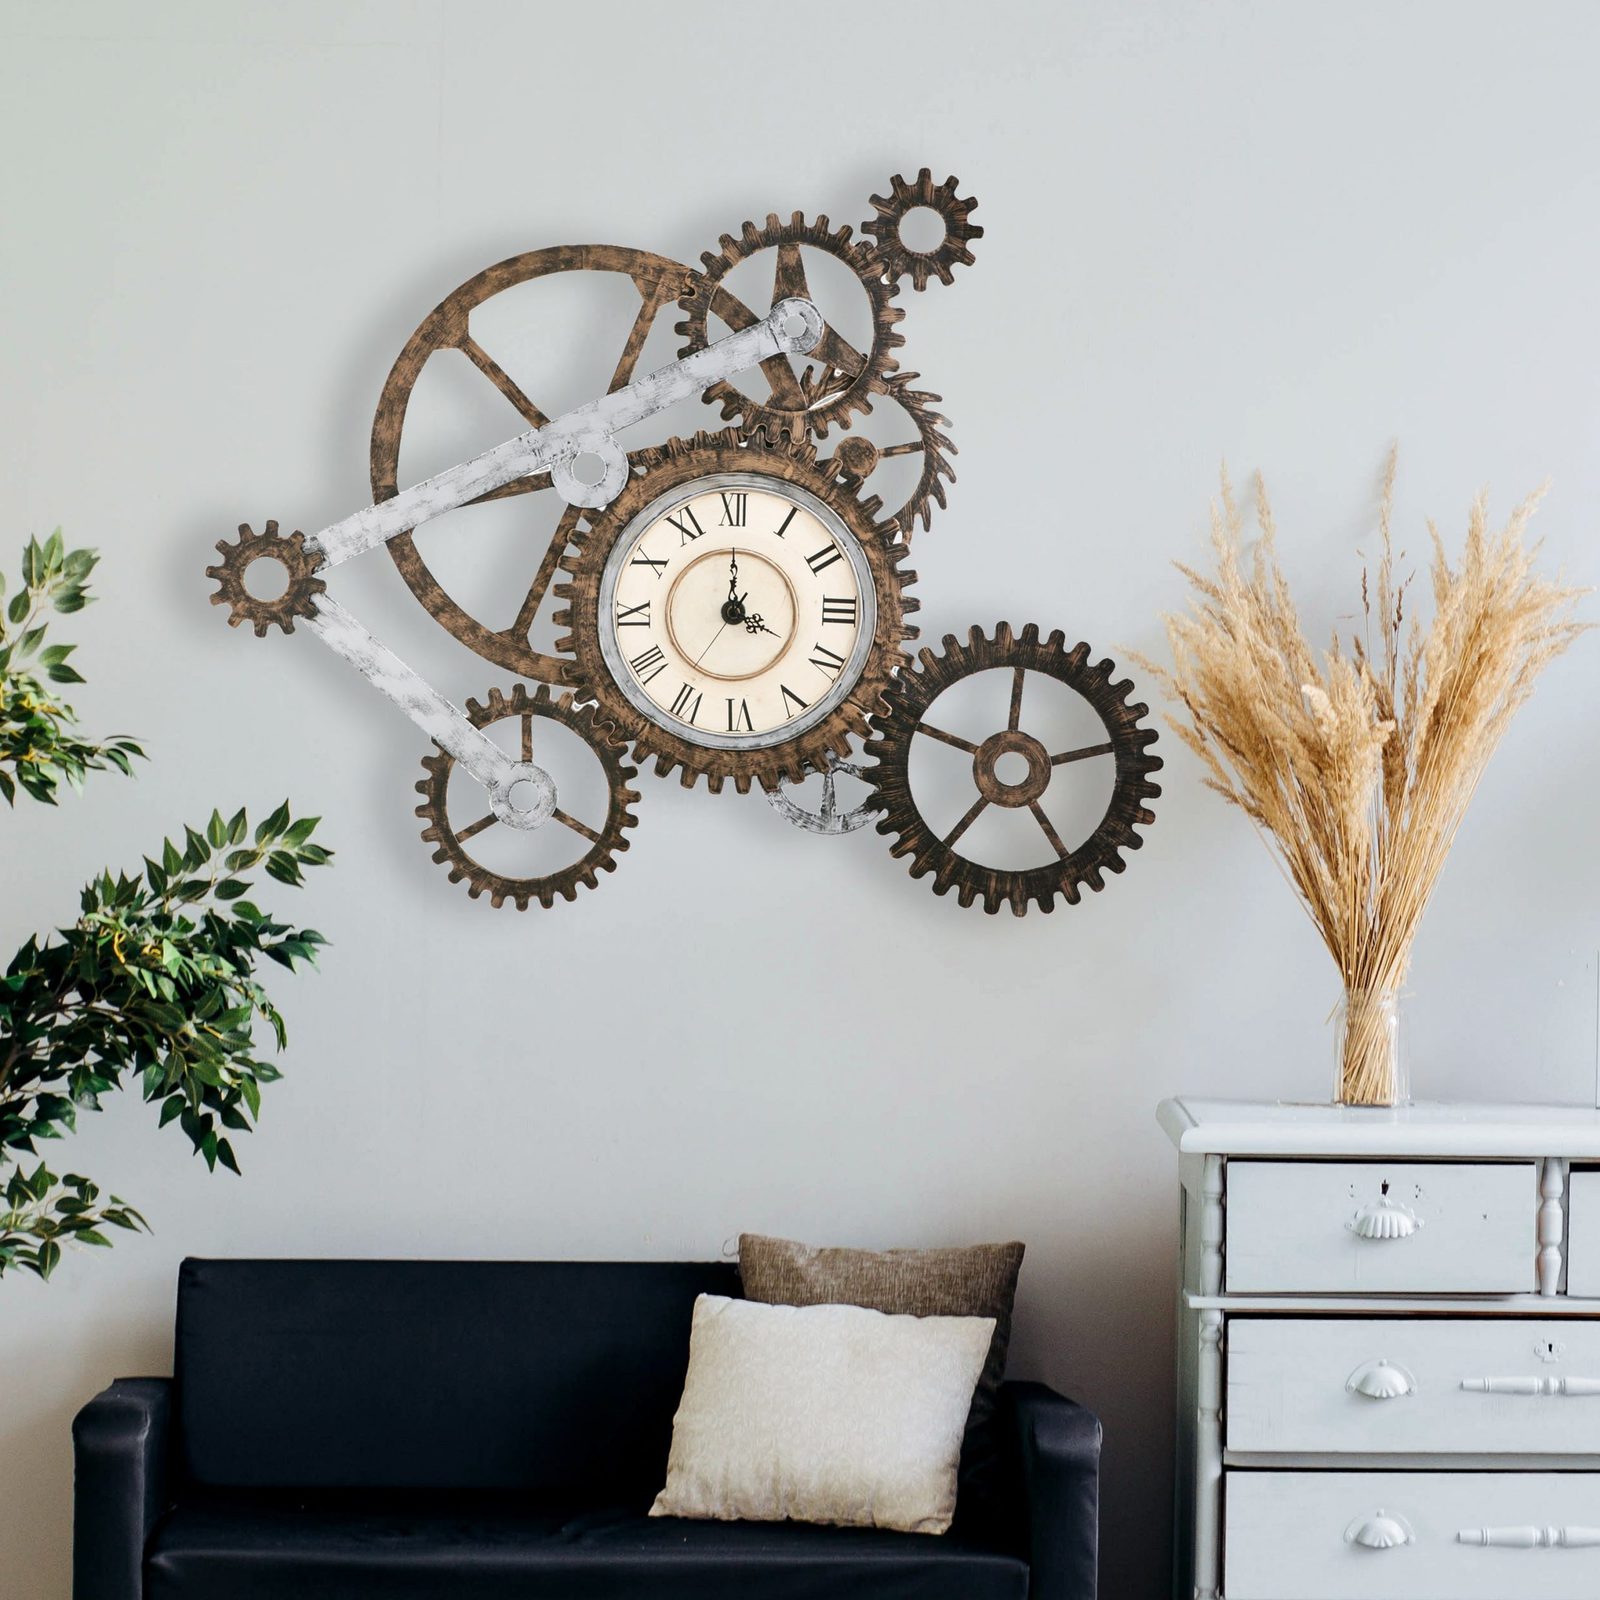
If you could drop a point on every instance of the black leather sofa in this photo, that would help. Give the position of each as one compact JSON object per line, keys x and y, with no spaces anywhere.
{"x":495,"y":1431}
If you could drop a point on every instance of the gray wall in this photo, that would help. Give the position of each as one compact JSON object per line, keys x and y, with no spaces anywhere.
{"x":1284,"y":234}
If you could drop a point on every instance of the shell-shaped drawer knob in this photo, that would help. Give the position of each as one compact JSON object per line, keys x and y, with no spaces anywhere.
{"x":1380,"y":1531}
{"x":1384,"y":1219}
{"x":1381,"y":1380}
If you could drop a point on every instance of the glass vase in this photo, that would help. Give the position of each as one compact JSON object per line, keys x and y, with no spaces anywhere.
{"x":1369,"y":1066}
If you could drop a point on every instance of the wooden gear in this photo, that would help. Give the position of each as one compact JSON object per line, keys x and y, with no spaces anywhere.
{"x":906,"y":716}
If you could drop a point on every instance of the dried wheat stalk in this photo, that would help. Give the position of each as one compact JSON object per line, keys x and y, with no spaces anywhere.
{"x":1359,"y":764}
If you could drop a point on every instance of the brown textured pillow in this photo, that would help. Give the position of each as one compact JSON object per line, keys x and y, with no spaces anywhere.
{"x":966,"y":1281}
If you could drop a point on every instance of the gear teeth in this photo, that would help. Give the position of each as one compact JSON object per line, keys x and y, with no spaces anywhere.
{"x":550,"y":704}
{"x":908,"y":700}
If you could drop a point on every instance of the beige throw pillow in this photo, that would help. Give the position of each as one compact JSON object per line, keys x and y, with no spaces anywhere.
{"x":822,"y":1414}
{"x":977,"y":1280}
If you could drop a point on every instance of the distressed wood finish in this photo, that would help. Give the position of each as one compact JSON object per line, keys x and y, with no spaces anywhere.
{"x":909,"y":713}
{"x":1376,"y":1335}
{"x":659,"y":281}
{"x":1461,"y":1536}
{"x":1309,"y":1227}
{"x":1308,"y":1386}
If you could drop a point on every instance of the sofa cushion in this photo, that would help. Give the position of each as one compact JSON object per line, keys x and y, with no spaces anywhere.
{"x":558,"y":1376}
{"x":822,"y":1414}
{"x":496,"y":1547}
{"x":977,"y":1280}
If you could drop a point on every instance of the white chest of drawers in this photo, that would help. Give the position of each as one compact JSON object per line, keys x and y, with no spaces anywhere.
{"x":1388,"y":1352}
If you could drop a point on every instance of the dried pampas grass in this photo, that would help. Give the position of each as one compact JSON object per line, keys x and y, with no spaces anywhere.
{"x":1359,"y":764}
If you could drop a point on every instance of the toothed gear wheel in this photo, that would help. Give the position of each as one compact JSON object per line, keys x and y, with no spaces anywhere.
{"x":299,"y":595}
{"x":895,"y":257}
{"x":906,"y":715}
{"x":679,"y":462}
{"x":856,"y":457}
{"x":843,"y":379}
{"x":604,"y":842}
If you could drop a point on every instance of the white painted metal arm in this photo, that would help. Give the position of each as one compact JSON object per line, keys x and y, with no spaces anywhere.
{"x":792,"y":327}
{"x":520,"y":793}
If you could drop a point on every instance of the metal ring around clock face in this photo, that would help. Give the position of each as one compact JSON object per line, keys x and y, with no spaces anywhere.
{"x":849,"y":674}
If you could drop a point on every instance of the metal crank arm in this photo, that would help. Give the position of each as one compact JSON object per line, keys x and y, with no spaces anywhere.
{"x":793,"y":327}
{"x":520,"y":794}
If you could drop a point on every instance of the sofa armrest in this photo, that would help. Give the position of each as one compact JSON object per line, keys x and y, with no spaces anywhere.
{"x":121,"y":1446}
{"x":1055,"y":1444}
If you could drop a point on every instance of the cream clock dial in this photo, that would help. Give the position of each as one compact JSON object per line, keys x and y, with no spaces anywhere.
{"x":736,"y":610}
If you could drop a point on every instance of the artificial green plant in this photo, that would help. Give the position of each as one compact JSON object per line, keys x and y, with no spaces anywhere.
{"x":155,"y":982}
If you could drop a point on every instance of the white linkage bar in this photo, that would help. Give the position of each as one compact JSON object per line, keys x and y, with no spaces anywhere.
{"x":792,"y":327}
{"x":520,"y":793}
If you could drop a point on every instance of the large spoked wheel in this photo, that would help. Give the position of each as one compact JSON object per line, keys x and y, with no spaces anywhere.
{"x":659,"y":281}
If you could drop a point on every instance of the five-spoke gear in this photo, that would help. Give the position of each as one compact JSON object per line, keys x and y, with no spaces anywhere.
{"x":603,"y":842}
{"x":907,"y":715}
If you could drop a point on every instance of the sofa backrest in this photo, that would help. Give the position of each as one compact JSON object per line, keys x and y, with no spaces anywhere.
{"x":546,"y":1375}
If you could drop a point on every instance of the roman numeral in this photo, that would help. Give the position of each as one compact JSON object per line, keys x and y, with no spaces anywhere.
{"x":790,"y":698}
{"x":824,"y":558}
{"x":682,"y":707}
{"x":649,"y":665}
{"x":783,"y":527}
{"x":687,"y":524}
{"x":633,"y":616}
{"x":741,"y":716}
{"x":733,"y":509}
{"x":835,"y":610}
{"x":642,"y":560}
{"x":824,"y":660}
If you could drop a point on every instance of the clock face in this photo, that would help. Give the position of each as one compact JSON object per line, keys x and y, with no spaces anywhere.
{"x":736,"y":610}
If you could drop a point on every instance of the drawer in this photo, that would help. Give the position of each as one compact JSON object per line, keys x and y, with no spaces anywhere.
{"x":1389,"y":1386}
{"x":1368,"y":1227}
{"x":1583,"y":1233}
{"x":1411,"y":1536}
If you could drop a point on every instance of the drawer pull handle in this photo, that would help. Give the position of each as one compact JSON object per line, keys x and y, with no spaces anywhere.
{"x":1529,"y":1538}
{"x":1381,"y":1380}
{"x":1380,"y":1531}
{"x":1579,"y":1388}
{"x":1384,"y":1219}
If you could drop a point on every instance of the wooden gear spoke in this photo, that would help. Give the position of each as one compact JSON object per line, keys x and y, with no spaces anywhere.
{"x":577,"y":827}
{"x":947,"y":738}
{"x":472,"y":829}
{"x":1020,"y":677}
{"x":502,"y":380}
{"x":1049,"y":829}
{"x":974,"y":811}
{"x":1083,"y":753}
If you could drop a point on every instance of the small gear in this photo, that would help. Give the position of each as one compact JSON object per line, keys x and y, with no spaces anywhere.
{"x":905,"y":716}
{"x":680,"y":462}
{"x":844,"y":379}
{"x":855,"y":458}
{"x":895,"y":257}
{"x":299,"y":595}
{"x":827,"y":820}
{"x":604,"y":842}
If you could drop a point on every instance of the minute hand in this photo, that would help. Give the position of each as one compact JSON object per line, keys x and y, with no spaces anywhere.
{"x":792,"y":327}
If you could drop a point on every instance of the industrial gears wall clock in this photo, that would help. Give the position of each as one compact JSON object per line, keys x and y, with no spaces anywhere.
{"x":731,"y":604}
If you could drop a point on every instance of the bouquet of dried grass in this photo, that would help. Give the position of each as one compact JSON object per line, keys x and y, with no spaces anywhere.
{"x":1358,"y":765}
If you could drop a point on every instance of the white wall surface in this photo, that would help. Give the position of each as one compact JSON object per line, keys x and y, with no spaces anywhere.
{"x":1280,"y":233}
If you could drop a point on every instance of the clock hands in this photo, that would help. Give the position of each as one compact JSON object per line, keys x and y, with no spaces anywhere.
{"x":521,"y":794}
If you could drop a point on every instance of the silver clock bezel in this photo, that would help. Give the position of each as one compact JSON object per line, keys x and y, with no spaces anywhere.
{"x":855,"y":662}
